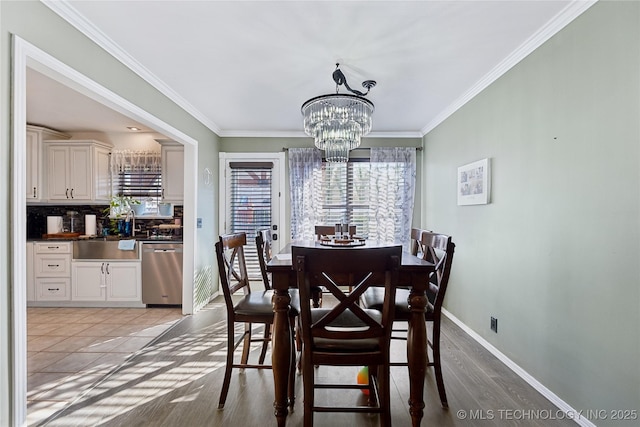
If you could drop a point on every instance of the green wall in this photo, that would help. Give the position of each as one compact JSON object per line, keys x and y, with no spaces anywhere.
{"x":38,"y":25}
{"x":555,"y":255}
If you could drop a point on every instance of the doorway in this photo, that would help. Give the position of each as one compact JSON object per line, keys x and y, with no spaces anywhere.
{"x":28,"y":56}
{"x":252,"y":199}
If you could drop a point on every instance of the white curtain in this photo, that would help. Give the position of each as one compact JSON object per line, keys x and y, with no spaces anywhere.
{"x":392,"y":189}
{"x":135,"y":161}
{"x":305,"y":166}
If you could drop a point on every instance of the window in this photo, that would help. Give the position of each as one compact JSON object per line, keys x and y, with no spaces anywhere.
{"x":376,"y":195}
{"x":138,"y":174}
{"x":344,"y":194}
{"x":144,"y":186}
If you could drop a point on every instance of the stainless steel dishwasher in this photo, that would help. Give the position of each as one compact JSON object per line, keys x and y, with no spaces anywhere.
{"x":162,"y":273}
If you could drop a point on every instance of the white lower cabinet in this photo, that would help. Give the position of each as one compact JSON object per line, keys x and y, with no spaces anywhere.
{"x":106,"y":281}
{"x":53,"y":289}
{"x":48,"y":271}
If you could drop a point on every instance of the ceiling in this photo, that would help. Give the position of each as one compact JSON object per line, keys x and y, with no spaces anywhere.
{"x":244,"y":68}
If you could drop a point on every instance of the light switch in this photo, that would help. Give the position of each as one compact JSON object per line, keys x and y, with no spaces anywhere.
{"x":199,"y":223}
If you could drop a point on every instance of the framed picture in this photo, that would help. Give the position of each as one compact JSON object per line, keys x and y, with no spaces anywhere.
{"x":474,"y":183}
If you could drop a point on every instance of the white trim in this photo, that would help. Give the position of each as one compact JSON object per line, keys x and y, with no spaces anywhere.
{"x":28,"y":55}
{"x":557,"y":23}
{"x":18,"y":365}
{"x":537,"y":385}
{"x":301,"y":134}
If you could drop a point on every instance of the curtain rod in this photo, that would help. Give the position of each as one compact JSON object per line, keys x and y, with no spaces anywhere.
{"x":359,"y":148}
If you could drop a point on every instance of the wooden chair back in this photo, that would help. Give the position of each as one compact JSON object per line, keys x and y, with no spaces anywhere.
{"x":438,"y":249}
{"x":330,"y":230}
{"x":346,"y":320}
{"x":264,"y":246}
{"x":417,"y":247}
{"x":232,"y":266}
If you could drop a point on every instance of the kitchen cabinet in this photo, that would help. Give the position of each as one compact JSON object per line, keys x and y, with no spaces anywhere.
{"x":106,"y":281}
{"x":172,"y":173}
{"x":78,"y":171}
{"x":34,"y":137}
{"x":49,"y":264}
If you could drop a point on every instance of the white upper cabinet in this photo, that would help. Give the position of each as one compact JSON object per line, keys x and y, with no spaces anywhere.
{"x":35,"y":136}
{"x":172,"y":173}
{"x":77,"y":171}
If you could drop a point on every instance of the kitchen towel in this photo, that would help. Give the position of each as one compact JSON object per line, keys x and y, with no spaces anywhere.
{"x":54,"y":224}
{"x":90,"y":225}
{"x":126,"y":245}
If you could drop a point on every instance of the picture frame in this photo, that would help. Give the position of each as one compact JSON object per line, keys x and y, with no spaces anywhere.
{"x":474,"y":183}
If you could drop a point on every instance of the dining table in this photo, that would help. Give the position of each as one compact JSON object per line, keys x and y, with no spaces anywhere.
{"x":413,"y":273}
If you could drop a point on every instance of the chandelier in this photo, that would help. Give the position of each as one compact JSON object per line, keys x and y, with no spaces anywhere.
{"x":338,"y":121}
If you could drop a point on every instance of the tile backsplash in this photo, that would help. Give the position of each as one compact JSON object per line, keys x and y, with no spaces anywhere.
{"x":37,"y":218}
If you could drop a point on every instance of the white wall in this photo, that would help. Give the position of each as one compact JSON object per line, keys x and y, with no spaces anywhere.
{"x":555,"y":255}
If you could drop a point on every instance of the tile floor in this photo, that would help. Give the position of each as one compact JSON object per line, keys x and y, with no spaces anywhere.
{"x":70,"y":349}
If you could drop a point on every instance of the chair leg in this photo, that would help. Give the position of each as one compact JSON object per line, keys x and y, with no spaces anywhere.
{"x":292,"y":365}
{"x":265,"y":343}
{"x":228,"y":368}
{"x":247,"y":344}
{"x":308,"y":382}
{"x":373,"y":380}
{"x":384,"y":391}
{"x":437,"y":367}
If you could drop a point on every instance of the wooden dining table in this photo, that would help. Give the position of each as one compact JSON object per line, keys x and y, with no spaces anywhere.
{"x":414,"y":273}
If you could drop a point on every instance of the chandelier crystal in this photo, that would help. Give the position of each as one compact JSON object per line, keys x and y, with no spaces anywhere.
{"x":337,"y":121}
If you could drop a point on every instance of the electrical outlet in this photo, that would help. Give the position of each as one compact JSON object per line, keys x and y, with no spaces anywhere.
{"x":494,"y":324}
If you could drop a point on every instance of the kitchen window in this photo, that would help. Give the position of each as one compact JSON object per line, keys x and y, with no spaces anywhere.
{"x":138,"y":174}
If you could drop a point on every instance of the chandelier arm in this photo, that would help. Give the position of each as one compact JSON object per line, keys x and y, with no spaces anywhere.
{"x":340,"y":79}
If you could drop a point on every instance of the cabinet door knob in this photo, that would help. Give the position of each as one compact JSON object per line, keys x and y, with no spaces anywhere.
{"x":72,"y":193}
{"x":35,"y":196}
{"x":66,"y":193}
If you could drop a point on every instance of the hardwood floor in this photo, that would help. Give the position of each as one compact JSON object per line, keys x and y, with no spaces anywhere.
{"x":176,"y":381}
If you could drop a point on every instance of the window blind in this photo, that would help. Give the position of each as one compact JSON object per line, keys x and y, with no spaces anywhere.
{"x":344,"y":194}
{"x":251,"y":206}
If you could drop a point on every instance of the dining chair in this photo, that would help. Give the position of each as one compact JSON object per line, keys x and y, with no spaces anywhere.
{"x":347,"y":334}
{"x":264,"y":247}
{"x":251,"y":307}
{"x":438,"y":249}
{"x":330,"y":230}
{"x":416,"y":245}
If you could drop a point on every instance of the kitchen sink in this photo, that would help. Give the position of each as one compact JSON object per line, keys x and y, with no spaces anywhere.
{"x":103,"y":250}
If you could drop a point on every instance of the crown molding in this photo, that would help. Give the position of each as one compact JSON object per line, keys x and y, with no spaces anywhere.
{"x":557,"y":23}
{"x":77,"y":20}
{"x":301,"y":134}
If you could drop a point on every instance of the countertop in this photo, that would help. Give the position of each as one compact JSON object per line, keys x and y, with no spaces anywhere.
{"x":142,"y":239}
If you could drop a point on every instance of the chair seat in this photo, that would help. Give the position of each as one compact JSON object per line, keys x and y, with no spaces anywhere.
{"x":373,"y":298}
{"x":346,"y":321}
{"x":258,"y":304}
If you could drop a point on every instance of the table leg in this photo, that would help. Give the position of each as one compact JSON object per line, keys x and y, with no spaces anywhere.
{"x":281,"y":353}
{"x":417,"y":355}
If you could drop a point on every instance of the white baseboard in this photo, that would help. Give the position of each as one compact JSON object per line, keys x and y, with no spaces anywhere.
{"x":569,"y":412}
